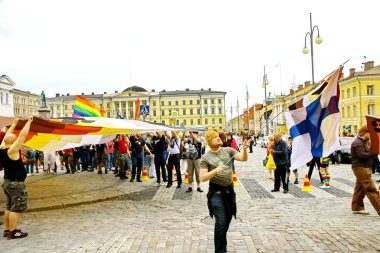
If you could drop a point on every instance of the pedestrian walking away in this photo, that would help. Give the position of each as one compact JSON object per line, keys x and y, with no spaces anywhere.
{"x":216,"y":167}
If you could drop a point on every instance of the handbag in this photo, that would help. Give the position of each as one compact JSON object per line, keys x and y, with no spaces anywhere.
{"x":271,"y":165}
{"x":265,"y":161}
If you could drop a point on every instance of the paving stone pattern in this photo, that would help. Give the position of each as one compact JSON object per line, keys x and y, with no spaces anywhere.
{"x":160,"y":219}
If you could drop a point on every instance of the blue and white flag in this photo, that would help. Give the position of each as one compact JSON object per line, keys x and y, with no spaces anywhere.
{"x":119,"y":114}
{"x":315,"y":128}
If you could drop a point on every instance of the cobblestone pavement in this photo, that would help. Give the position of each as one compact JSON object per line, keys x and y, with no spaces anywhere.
{"x":157,"y":219}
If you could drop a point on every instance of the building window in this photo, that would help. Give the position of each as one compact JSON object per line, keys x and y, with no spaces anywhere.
{"x":176,"y":102}
{"x":163,"y":122}
{"x":154,"y":103}
{"x":343,"y":114}
{"x":6,"y":98}
{"x":199,"y":121}
{"x":65,"y":107}
{"x":212,"y":101}
{"x":191,"y":102}
{"x":342,"y":94}
{"x":183,"y":102}
{"x":154,"y":113}
{"x":205,"y":101}
{"x":72,"y":107}
{"x":213,"y":121}
{"x":355,"y":113}
{"x":198,"y":102}
{"x":163,"y":113}
{"x":354,"y":92}
{"x":219,"y":101}
{"x":348,"y":93}
{"x":371,"y":109}
{"x":108,"y":105}
{"x":100,"y":106}
{"x":206,"y":121}
{"x":220,"y":121}
{"x":220,"y":110}
{"x":213,"y":110}
{"x":191,"y":122}
{"x":184,"y":111}
{"x":348,"y":111}
{"x":170,"y":103}
{"x":184,"y":122}
{"x":170,"y":112}
{"x":1,"y":97}
{"x":205,"y":110}
{"x":370,"y":90}
{"x":198,"y":111}
{"x":191,"y":112}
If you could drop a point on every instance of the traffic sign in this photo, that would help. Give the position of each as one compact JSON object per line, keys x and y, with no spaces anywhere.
{"x":144,"y":110}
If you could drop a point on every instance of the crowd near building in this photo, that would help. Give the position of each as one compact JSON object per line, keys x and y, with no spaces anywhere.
{"x":359,"y":96}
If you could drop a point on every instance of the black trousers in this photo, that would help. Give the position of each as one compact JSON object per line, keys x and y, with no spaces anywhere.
{"x":315,"y":161}
{"x":174,"y":160}
{"x":280,"y":176}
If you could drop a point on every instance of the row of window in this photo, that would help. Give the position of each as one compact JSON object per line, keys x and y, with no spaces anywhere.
{"x":191,"y":102}
{"x":348,"y":113}
{"x":17,"y":111}
{"x":4,"y":99}
{"x":199,"y":122}
{"x":347,"y":93}
{"x":16,"y":100}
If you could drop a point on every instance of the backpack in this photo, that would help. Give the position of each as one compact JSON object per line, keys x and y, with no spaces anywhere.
{"x":190,"y":151}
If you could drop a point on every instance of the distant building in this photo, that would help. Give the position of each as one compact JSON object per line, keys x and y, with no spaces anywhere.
{"x":184,"y":108}
{"x":25,"y":103}
{"x":6,"y":96}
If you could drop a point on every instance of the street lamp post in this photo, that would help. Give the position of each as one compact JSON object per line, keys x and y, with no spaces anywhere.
{"x":318,"y":40}
{"x":247,"y":97}
{"x":265,"y":83}
{"x":238,"y":116}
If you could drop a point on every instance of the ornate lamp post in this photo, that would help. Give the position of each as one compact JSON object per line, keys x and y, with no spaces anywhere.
{"x":265,"y":83}
{"x":318,"y":40}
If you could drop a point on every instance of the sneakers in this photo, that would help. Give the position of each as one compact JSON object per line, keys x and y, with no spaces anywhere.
{"x":296,"y":182}
{"x":138,"y":180}
{"x":199,"y":189}
{"x":16,"y":234}
{"x":275,"y":190}
{"x":360,"y":212}
{"x":189,"y":189}
{"x":324,"y":187}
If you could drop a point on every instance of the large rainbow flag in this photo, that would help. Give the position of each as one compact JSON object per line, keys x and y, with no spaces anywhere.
{"x":56,"y":134}
{"x":85,"y":108}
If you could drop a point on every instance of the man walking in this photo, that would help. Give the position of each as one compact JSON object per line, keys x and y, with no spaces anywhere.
{"x":362,"y":168}
{"x":14,"y":177}
{"x":216,"y":167}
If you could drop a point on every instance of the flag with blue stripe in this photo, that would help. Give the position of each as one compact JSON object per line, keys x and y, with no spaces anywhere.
{"x":315,"y":128}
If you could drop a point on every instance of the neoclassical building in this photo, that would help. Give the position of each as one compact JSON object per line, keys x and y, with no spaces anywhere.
{"x":185,"y":108}
{"x":6,"y":96}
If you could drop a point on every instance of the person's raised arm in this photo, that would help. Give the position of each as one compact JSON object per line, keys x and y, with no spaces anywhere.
{"x":13,"y":151}
{"x":148,"y":150}
{"x":13,"y":126}
{"x":243,"y":155}
{"x":195,"y":137}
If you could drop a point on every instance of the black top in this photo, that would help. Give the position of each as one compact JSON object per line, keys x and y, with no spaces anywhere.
{"x":100,"y":148}
{"x":13,"y":170}
{"x":137,"y":145}
{"x":159,"y":144}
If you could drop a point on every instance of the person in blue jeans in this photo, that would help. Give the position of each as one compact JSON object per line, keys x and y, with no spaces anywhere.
{"x":160,"y":149}
{"x":137,"y":146}
{"x":216,"y":167}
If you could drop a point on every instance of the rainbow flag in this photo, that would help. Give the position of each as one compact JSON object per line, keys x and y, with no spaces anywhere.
{"x":137,"y":110}
{"x":85,"y":108}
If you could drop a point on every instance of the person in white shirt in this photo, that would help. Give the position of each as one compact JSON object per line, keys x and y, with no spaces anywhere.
{"x":174,"y":159}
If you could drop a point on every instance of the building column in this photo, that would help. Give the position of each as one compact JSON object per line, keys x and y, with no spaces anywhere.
{"x":209,"y":106}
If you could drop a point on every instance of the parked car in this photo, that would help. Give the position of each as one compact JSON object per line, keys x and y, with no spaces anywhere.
{"x":344,"y":154}
{"x":265,"y":141}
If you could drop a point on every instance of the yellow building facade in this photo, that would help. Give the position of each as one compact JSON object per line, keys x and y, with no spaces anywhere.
{"x":186,"y":108}
{"x":25,"y":103}
{"x":360,"y":96}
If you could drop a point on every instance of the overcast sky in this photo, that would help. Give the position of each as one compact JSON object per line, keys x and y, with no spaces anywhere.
{"x":76,"y":46}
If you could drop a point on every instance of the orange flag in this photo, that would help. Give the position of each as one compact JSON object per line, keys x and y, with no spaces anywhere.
{"x":137,"y":109}
{"x":373,"y":124}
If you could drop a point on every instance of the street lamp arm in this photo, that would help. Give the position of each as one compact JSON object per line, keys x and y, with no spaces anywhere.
{"x":306,"y":37}
{"x":317,"y":29}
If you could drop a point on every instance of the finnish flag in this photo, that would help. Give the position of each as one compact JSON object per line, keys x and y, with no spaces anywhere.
{"x":314,"y":128}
